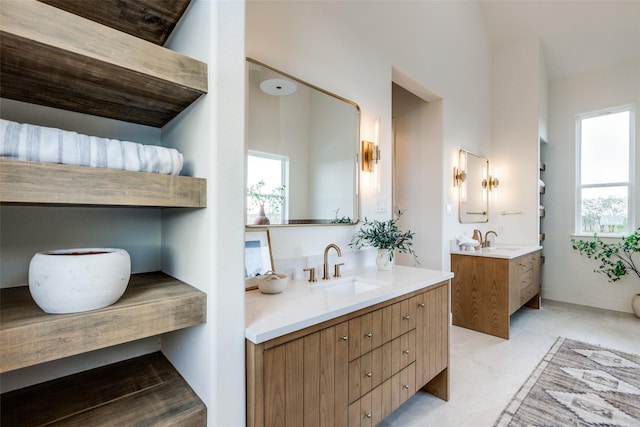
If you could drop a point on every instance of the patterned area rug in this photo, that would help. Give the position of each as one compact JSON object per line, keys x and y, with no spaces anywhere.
{"x":578,"y":384}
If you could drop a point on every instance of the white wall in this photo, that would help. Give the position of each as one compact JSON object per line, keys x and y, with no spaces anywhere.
{"x":206,"y":247}
{"x":518,"y":115}
{"x":350,"y":49}
{"x":566,"y":275}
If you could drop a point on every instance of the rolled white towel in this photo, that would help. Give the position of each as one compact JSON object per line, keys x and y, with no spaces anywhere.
{"x":27,"y":142}
{"x":466,"y":241}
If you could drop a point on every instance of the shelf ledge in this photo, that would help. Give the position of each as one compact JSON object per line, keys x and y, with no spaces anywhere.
{"x":154,"y":303}
{"x":145,"y":390}
{"x":49,"y":183}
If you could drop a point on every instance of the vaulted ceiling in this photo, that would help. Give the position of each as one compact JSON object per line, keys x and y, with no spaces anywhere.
{"x":577,"y":36}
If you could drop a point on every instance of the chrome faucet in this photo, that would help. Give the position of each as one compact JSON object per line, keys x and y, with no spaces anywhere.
{"x":487,"y":243}
{"x":325,"y":275}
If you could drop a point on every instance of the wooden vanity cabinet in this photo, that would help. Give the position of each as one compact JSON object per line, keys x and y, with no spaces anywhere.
{"x":353,"y":370}
{"x":486,"y":291}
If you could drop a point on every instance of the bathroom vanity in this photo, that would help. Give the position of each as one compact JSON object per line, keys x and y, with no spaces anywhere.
{"x":347,"y":351}
{"x":491,"y":284}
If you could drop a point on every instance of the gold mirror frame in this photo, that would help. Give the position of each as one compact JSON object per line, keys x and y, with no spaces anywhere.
{"x":333,"y":193}
{"x":471,"y":178}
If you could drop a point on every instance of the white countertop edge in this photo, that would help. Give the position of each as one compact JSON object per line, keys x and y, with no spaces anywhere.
{"x":266,"y":335}
{"x":502,"y":251}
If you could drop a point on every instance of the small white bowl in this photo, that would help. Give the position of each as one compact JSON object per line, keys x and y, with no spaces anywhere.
{"x":76,"y":280}
{"x":272,"y":283}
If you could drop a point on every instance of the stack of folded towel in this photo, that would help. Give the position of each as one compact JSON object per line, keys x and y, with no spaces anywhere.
{"x":50,"y":145}
{"x":466,"y":243}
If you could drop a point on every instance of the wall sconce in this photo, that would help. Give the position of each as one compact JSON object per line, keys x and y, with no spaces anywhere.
{"x":370,"y":155}
{"x":459,"y":176}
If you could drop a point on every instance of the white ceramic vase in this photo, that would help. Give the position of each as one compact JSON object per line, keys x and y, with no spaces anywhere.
{"x":635,"y":305}
{"x":76,"y":280}
{"x":385,"y":259}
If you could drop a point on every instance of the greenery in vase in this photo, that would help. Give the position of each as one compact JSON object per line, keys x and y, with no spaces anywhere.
{"x":342,"y":220}
{"x":275,"y":199}
{"x":385,"y":235}
{"x":616,"y":259}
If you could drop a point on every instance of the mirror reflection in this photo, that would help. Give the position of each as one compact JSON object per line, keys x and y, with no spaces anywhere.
{"x":473,"y":192}
{"x":302,"y":145}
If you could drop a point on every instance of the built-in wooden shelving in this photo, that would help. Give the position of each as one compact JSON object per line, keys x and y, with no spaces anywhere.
{"x":51,"y":57}
{"x":154,"y":303}
{"x":142,"y":391}
{"x":151,"y":20}
{"x":59,"y":54}
{"x":48,"y":183}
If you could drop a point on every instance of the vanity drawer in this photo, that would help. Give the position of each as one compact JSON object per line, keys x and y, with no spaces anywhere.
{"x":372,"y":330}
{"x":527,"y":293}
{"x":371,"y":369}
{"x":376,"y":405}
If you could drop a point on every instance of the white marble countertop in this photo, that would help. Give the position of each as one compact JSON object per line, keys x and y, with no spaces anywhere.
{"x":303,"y":304}
{"x":501,"y":251}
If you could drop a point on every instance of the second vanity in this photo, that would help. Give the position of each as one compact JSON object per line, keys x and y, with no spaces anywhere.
{"x":347,"y":351}
{"x":491,"y":284}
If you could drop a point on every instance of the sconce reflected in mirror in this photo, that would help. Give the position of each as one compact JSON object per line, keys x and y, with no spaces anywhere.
{"x":370,"y":155}
{"x":491,"y":183}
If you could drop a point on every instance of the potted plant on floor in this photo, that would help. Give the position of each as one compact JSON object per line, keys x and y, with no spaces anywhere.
{"x":616,"y":259}
{"x":387,"y":237}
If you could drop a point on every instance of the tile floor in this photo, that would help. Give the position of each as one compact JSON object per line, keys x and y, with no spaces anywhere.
{"x":487,"y":371}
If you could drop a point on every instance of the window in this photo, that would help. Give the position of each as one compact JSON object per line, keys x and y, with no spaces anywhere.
{"x":267,"y":176}
{"x":605,"y":172}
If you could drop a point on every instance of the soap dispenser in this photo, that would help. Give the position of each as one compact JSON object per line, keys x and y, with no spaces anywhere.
{"x":477,"y":235}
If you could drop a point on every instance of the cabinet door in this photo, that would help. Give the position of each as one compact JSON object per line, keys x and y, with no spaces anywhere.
{"x":360,"y":335}
{"x":432,"y":335}
{"x":306,"y":380}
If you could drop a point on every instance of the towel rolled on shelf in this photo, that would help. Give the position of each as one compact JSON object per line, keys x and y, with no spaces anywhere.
{"x":33,"y":143}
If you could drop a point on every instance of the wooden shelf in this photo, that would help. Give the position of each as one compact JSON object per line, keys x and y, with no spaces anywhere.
{"x":154,"y":303}
{"x":48,"y":183}
{"x":55,"y":58}
{"x":151,"y":20}
{"x":145,"y":390}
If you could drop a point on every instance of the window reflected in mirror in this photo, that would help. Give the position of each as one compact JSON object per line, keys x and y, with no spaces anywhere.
{"x":267,"y":183}
{"x":302,"y":152}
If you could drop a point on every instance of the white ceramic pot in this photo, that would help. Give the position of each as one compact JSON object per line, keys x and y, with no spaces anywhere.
{"x":635,"y":305}
{"x":385,"y":259}
{"x":76,"y":280}
{"x":272,"y":283}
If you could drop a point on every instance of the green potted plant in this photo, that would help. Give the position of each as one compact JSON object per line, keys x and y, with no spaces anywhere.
{"x":259,"y":198}
{"x":616,"y":259}
{"x":387,"y":237}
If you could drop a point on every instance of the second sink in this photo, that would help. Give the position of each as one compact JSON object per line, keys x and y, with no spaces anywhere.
{"x":349,"y":285}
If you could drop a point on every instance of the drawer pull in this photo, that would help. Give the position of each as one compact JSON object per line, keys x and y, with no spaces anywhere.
{"x":421,"y":305}
{"x":369,"y":374}
{"x":406,"y":386}
{"x":368,"y":334}
{"x":406,"y":317}
{"x":405,"y":351}
{"x":368,"y":415}
{"x":344,"y":338}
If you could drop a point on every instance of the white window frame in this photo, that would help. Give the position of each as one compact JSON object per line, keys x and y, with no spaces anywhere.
{"x":630,"y":184}
{"x":284,"y":161}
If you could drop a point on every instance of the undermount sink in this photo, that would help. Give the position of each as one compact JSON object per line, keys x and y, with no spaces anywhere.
{"x":504,"y":248}
{"x":350,"y":285}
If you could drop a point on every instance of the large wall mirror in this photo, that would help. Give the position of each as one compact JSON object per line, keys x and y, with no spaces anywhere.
{"x":302,"y":152}
{"x":473,"y":189}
